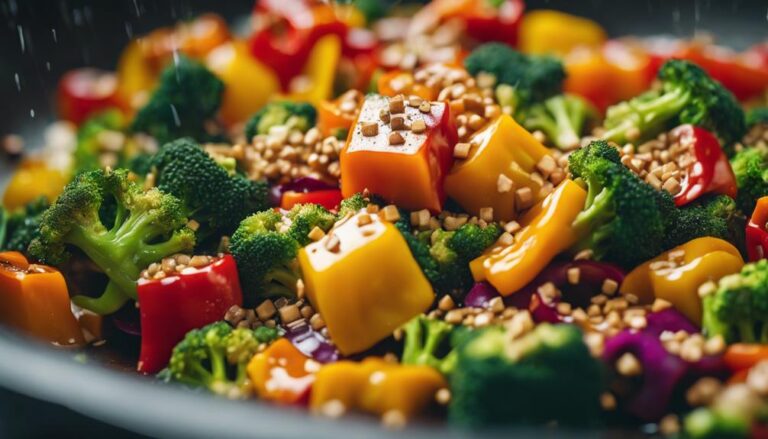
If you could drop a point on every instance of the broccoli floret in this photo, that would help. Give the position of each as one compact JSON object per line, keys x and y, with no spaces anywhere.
{"x":294,"y":115}
{"x":140,"y":164}
{"x":372,"y":10}
{"x":304,"y":218}
{"x":88,"y":147}
{"x":562,"y":118}
{"x":187,"y":97}
{"x":424,"y":340}
{"x":216,"y":199}
{"x":545,"y":375}
{"x":353,"y":204}
{"x":216,"y":357}
{"x":687,"y":96}
{"x":755,"y":116}
{"x":266,"y":244}
{"x":738,"y":308}
{"x":23,"y":226}
{"x":444,"y":256}
{"x":750,"y":165}
{"x":624,"y":218}
{"x":715,"y":216}
{"x":523,"y":80}
{"x":147,"y":226}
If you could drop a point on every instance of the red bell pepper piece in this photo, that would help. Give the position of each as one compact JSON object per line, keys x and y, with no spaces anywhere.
{"x":293,"y":27}
{"x":742,"y":356}
{"x":330,"y":199}
{"x":501,"y":26}
{"x":709,"y":172}
{"x":175,"y":305}
{"x":757,"y":236}
{"x":85,"y":91}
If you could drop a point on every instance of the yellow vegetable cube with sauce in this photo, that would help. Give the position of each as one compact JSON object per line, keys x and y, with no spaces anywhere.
{"x":502,"y":148}
{"x":363,"y":281}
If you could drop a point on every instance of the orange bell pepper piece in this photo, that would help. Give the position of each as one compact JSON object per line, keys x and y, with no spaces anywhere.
{"x":503,"y":147}
{"x":34,"y":299}
{"x":282,"y":373}
{"x":376,"y":386}
{"x":554,"y":32}
{"x":742,"y":356}
{"x":677,"y":274}
{"x":362,"y":301}
{"x":410,"y":173}
{"x":546,"y":232}
{"x":339,"y":114}
{"x":31,"y":180}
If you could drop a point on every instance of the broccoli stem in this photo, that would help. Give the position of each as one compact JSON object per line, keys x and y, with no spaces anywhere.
{"x":112,"y":300}
{"x":281,"y":282}
{"x":565,"y":127}
{"x":103,"y":250}
{"x":647,"y":116}
{"x":746,"y":331}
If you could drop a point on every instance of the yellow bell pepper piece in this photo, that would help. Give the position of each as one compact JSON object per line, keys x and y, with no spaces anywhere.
{"x":319,"y":72}
{"x":554,"y":32}
{"x":376,"y":386}
{"x":31,"y":180}
{"x":546,"y":232}
{"x":502,"y":147}
{"x":136,"y":76}
{"x":249,"y":84}
{"x":364,"y":281}
{"x":677,"y":274}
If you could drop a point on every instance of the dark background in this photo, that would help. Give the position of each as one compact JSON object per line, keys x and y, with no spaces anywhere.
{"x":41,"y":39}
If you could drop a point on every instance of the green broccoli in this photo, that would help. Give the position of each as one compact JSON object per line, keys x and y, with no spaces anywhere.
{"x":756,"y":116}
{"x":22,"y":226}
{"x":88,"y":148}
{"x":353,"y":204}
{"x":304,"y":218}
{"x":140,"y":164}
{"x":147,"y":226}
{"x":716,"y":216}
{"x":372,"y":10}
{"x":266,"y":244}
{"x":216,"y":199}
{"x":687,"y":96}
{"x":424,"y":339}
{"x":188,"y":96}
{"x":444,"y":256}
{"x":545,"y":375}
{"x":750,"y":165}
{"x":522,"y":80}
{"x":624,"y":219}
{"x":294,"y":115}
{"x":216,"y":357}
{"x":738,"y":309}
{"x":562,"y":118}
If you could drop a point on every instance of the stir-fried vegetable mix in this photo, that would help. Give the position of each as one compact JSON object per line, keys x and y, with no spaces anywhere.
{"x":473,"y":212}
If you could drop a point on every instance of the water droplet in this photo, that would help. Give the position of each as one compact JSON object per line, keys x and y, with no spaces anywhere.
{"x":136,"y":8}
{"x":129,"y":30}
{"x":18,"y":81}
{"x":13,"y":7}
{"x":176,"y":119}
{"x":32,"y":113}
{"x":21,"y":38}
{"x":48,"y":65}
{"x":55,"y":36}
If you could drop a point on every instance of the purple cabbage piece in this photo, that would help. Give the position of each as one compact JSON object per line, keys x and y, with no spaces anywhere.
{"x":663,"y":373}
{"x":480,"y":294}
{"x":302,"y":184}
{"x":592,"y":274}
{"x":313,"y":344}
{"x":128,"y":320}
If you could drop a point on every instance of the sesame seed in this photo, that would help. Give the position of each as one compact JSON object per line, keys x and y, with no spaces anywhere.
{"x":443,"y":396}
{"x":573,"y":275}
{"x":332,"y":243}
{"x":446,"y":303}
{"x":396,"y":105}
{"x":390,"y":213}
{"x":475,"y":122}
{"x":384,"y":115}
{"x":425,"y":107}
{"x":398,"y":123}
{"x":363,"y":219}
{"x":418,"y":126}
{"x":628,"y":365}
{"x":415,"y":101}
{"x":289,"y":313}
{"x":316,"y":234}
{"x":505,"y":239}
{"x":512,"y":227}
{"x":420,"y":218}
{"x":486,"y":214}
{"x":609,"y":286}
{"x":524,"y":198}
{"x":266,"y":310}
